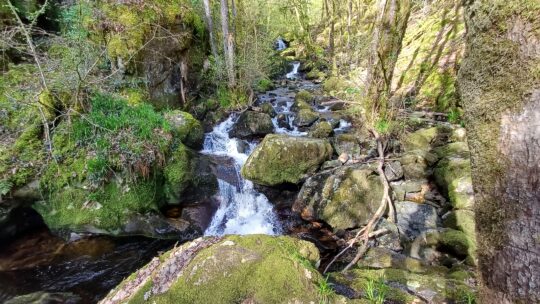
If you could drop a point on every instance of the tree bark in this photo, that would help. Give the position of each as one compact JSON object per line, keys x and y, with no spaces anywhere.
{"x":388,"y":34}
{"x":499,"y":83}
{"x":228,"y":44}
{"x":210,"y":27}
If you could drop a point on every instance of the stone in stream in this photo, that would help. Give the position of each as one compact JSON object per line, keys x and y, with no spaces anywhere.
{"x":306,"y":118}
{"x":268,"y":109}
{"x":43,"y":297}
{"x":283,"y":159}
{"x":232,"y":269}
{"x":322,"y":129}
{"x":344,"y":198}
{"x":252,"y":124}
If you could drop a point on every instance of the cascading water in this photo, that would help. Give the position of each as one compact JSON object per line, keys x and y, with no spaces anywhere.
{"x":242,"y":209}
{"x":294,"y":73}
{"x":280,"y":44}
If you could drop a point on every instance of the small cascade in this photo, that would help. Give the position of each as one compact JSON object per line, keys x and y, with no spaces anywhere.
{"x":294,"y":73}
{"x":280,"y":44}
{"x":242,"y":209}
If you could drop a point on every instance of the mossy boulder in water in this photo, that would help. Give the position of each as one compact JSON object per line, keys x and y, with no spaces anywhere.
{"x":306,"y":118}
{"x":252,"y":124}
{"x":344,"y":198}
{"x":322,"y":129}
{"x":233,"y":269}
{"x":285,"y":159}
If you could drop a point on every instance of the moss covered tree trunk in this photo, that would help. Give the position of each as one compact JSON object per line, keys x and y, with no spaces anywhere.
{"x":499,"y":83}
{"x":388,"y":34}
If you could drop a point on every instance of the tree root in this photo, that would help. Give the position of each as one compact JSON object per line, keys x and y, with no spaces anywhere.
{"x":366,"y":233}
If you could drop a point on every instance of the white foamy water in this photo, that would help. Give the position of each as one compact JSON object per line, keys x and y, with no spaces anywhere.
{"x":281,"y":44}
{"x":242,"y":209}
{"x":294,"y":73}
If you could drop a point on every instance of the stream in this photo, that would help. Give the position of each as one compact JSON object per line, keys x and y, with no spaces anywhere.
{"x":90,"y":267}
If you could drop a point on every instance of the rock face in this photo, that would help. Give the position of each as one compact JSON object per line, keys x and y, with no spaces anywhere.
{"x":234,"y":269}
{"x":285,"y":159}
{"x":252,"y":124}
{"x":344,"y":198}
{"x":413,"y":218}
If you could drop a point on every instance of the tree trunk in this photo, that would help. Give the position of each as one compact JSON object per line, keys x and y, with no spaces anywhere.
{"x":499,"y":83}
{"x":228,"y":44}
{"x":210,"y":27}
{"x":388,"y":34}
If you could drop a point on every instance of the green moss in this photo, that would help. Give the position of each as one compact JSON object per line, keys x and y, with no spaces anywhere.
{"x":321,"y":130}
{"x":304,"y":96}
{"x":306,"y":117}
{"x":237,"y":269}
{"x":334,"y":84}
{"x":264,"y":85}
{"x":178,"y":174}
{"x":104,"y":210}
{"x":186,"y":128}
{"x":282,"y":159}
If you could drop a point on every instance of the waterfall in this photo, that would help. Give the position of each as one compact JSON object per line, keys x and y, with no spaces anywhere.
{"x":280,"y":44}
{"x":242,"y":209}
{"x":294,"y":73}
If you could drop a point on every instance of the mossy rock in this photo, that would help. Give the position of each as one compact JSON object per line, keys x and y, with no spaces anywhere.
{"x":322,"y":129}
{"x":306,"y":117}
{"x":347,"y":143}
{"x":285,"y":159}
{"x":451,"y":241}
{"x":42,"y":297}
{"x":409,"y":287}
{"x":178,"y":174}
{"x":344,"y":198}
{"x":304,"y":96}
{"x":315,"y":74}
{"x":234,"y":269}
{"x":268,"y":109}
{"x":425,"y":139}
{"x":334,"y":84}
{"x":456,"y":149}
{"x":417,"y":164}
{"x":186,"y":128}
{"x":252,"y":124}
{"x":463,"y":220}
{"x":453,"y":176}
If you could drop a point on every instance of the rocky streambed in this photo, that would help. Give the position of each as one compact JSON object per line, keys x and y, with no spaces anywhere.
{"x":292,"y":164}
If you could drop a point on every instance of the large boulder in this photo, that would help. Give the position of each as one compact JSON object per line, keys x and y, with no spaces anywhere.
{"x":425,"y":139}
{"x":252,"y":124}
{"x":234,"y":269}
{"x":344,"y":198}
{"x":306,"y":118}
{"x":283,"y":159}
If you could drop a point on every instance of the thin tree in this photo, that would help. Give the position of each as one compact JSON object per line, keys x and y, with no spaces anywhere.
{"x":228,"y":44}
{"x":210,"y":28}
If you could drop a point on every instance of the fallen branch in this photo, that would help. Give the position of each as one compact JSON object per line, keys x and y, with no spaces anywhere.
{"x":366,"y":233}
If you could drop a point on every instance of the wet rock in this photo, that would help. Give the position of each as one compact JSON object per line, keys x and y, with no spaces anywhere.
{"x":43,"y":297}
{"x":322,"y":129}
{"x":227,"y":270}
{"x":393,"y":171}
{"x":304,"y":96}
{"x":282,"y":121}
{"x":306,"y":118}
{"x":285,"y":159}
{"x":252,"y":124}
{"x":268,"y":109}
{"x":413,"y":219}
{"x":344,"y":198}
